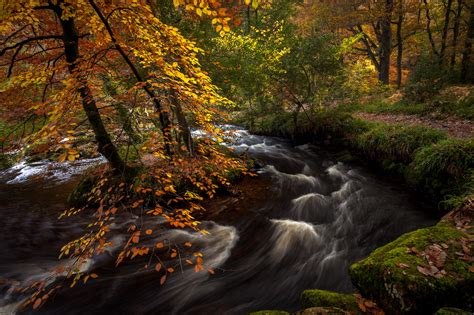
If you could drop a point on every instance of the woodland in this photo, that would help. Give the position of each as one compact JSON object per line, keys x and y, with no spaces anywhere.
{"x":236,"y":157}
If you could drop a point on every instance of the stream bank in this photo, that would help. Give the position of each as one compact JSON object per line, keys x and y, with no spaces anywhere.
{"x":422,"y":271}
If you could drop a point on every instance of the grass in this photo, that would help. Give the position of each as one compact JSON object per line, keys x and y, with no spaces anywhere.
{"x":444,"y":169}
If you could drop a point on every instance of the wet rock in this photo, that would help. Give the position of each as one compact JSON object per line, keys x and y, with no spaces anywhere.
{"x":420,"y":271}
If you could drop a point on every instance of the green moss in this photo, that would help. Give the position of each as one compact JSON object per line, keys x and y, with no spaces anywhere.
{"x":322,"y":298}
{"x":270,"y":312}
{"x":406,"y":290}
{"x":324,"y":311}
{"x":451,"y":311}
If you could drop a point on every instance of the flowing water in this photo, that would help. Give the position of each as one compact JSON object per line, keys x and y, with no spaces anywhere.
{"x":319,"y":217}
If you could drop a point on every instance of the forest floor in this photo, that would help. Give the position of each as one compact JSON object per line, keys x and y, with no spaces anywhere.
{"x":454,"y":126}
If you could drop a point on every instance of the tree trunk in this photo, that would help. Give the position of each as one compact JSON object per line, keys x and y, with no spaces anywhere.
{"x":399,"y":46}
{"x":385,"y":43}
{"x":184,"y":132}
{"x":71,"y":52}
{"x":457,"y":23}
{"x":444,"y":34}
{"x":467,"y":71}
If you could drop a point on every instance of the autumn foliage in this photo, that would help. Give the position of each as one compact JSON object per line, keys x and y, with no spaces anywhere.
{"x":113,"y":70}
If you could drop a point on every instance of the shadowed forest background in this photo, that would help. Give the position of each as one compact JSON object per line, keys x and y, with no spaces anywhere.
{"x":229,"y":157}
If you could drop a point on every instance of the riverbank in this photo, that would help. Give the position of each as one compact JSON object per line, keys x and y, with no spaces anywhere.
{"x":421,"y":271}
{"x":439,"y":167}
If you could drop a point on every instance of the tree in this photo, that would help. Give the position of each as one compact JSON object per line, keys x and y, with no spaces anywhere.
{"x":58,"y":57}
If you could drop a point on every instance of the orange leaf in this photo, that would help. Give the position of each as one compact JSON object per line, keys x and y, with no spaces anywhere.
{"x":170,"y":270}
{"x":163,"y":279}
{"x":188,"y":244}
{"x":37,"y":303}
{"x":159,"y":245}
{"x":94,"y":275}
{"x":158,"y":267}
{"x":148,"y":232}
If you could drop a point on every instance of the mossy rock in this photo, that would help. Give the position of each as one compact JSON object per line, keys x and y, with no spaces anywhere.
{"x":323,"y":311}
{"x":395,"y":276}
{"x":270,"y":312}
{"x":78,"y":197}
{"x":323,"y":298}
{"x":451,"y":311}
{"x":5,"y":161}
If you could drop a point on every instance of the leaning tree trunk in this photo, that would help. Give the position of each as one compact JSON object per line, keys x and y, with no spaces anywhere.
{"x":467,"y":71}
{"x":385,"y":43}
{"x":71,"y":52}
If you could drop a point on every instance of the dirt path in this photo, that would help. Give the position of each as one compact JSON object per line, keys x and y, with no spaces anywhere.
{"x":455,"y":127}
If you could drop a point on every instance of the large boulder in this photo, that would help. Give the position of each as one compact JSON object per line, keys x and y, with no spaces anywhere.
{"x":422,"y":271}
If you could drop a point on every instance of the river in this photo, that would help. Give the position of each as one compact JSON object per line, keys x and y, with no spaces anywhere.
{"x":318,"y":217}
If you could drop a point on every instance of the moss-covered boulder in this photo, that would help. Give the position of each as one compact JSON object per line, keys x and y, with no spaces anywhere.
{"x":5,"y":161}
{"x":451,"y":311}
{"x":270,"y":312}
{"x":324,"y":311}
{"x":422,"y":271}
{"x":322,"y":298}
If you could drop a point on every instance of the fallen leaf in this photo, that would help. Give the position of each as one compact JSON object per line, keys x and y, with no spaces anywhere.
{"x":158,"y":267}
{"x":37,"y":303}
{"x":402,"y":265}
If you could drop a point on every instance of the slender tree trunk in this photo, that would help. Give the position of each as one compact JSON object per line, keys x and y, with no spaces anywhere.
{"x":71,"y":52}
{"x":385,"y":43}
{"x":184,"y":132}
{"x":467,"y":70}
{"x":399,"y":45}
{"x":457,"y":23}
{"x":444,"y":34}
{"x":247,"y":16}
{"x":428,"y":29}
